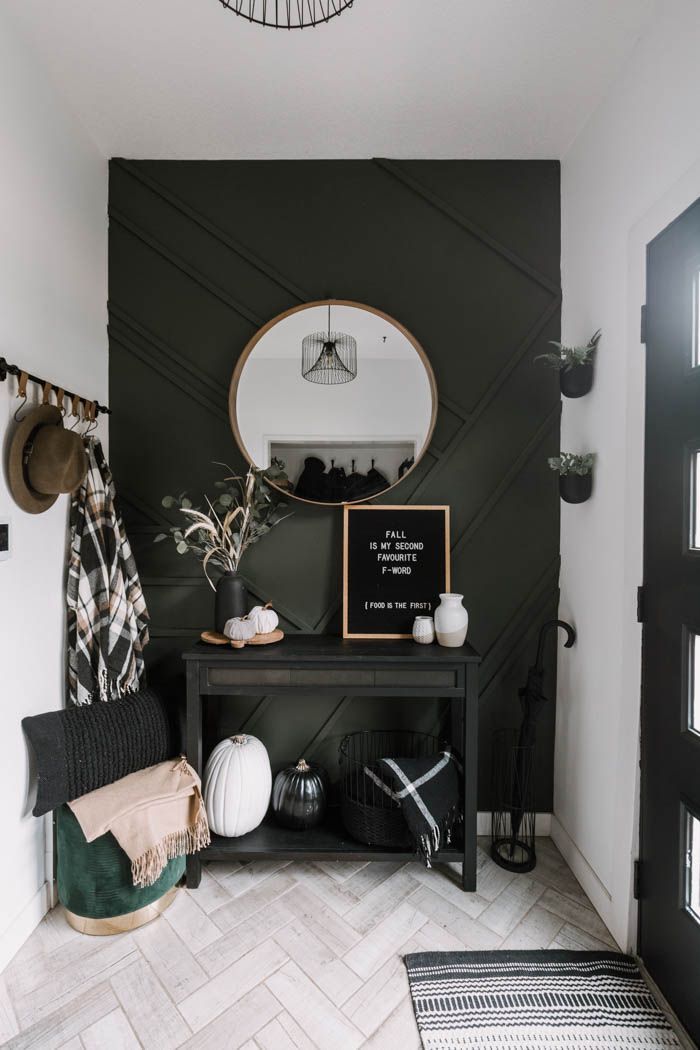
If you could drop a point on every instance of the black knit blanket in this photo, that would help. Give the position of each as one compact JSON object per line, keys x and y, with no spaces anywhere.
{"x":427,"y":789}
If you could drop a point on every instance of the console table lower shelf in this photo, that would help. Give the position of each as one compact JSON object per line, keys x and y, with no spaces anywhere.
{"x":329,"y":841}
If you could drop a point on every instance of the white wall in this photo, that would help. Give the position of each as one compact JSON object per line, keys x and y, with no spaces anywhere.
{"x":630,"y":172}
{"x":53,"y":256}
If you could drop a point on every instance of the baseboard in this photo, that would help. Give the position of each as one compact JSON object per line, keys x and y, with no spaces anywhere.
{"x":24,"y":924}
{"x":596,"y":892}
{"x":543,"y":824}
{"x":683,"y":1037}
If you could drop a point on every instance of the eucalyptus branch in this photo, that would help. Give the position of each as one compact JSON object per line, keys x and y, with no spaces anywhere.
{"x":239,"y":516}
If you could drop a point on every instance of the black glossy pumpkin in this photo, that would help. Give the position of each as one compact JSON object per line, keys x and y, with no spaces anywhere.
{"x":299,"y":795}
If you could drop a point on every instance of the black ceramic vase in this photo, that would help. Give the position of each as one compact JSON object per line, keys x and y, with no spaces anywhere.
{"x":575,"y":488}
{"x":231,"y":599}
{"x":576,"y":380}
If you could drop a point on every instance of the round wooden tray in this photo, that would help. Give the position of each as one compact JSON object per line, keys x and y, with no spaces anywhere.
{"x":214,"y":638}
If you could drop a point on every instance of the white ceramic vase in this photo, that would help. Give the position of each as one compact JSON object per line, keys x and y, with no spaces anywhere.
{"x":423,"y":630}
{"x":451,"y":620}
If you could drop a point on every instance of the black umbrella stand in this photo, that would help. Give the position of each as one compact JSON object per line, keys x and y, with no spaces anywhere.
{"x":513,"y":765}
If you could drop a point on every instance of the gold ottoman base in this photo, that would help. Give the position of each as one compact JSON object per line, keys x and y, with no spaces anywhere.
{"x":121,"y":923}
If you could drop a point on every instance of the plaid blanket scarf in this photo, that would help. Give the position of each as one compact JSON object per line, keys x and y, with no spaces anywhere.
{"x":107,"y":616}
{"x":427,"y":789}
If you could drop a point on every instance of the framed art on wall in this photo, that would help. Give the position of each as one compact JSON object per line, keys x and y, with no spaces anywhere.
{"x":396,"y":563}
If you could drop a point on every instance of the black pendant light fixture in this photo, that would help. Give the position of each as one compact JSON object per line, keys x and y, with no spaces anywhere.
{"x":287,"y":14}
{"x":329,"y":358}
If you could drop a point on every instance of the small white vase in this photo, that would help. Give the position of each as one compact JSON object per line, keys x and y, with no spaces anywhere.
{"x":423,"y":630}
{"x":451,"y":620}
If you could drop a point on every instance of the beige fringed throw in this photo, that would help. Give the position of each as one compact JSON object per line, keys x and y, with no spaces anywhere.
{"x":155,"y":815}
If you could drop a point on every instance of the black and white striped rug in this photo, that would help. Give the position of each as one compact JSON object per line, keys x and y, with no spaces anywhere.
{"x":552,"y":999}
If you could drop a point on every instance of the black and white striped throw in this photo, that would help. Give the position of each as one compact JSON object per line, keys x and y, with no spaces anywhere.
{"x":552,"y":999}
{"x":427,"y":789}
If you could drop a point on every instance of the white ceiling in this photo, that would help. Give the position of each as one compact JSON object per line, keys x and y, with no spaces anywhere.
{"x":401,"y":78}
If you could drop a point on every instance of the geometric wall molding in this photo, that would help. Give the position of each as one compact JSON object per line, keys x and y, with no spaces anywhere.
{"x":466,"y":255}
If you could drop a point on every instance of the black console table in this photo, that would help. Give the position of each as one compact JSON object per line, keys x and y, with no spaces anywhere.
{"x":327,"y":665}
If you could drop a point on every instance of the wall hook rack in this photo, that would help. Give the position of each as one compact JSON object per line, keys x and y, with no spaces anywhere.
{"x":6,"y":369}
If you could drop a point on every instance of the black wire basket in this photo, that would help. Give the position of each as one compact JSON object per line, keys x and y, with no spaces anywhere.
{"x":513,"y":815}
{"x":368,"y":813}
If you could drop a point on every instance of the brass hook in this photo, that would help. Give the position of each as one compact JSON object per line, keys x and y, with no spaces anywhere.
{"x":75,"y":410}
{"x":22,"y":392}
{"x":91,"y":416}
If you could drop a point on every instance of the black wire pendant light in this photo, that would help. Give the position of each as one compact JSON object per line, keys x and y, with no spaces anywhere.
{"x":287,"y":14}
{"x":329,"y":358}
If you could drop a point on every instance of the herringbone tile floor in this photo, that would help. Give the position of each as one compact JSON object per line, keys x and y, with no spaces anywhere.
{"x":274,"y":956}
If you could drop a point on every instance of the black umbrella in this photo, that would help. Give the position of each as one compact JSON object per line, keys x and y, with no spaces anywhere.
{"x":531,"y":701}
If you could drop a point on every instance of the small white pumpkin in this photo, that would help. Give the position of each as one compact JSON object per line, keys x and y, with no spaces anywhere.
{"x":237,"y":785}
{"x":240,"y":629}
{"x":264,"y":617}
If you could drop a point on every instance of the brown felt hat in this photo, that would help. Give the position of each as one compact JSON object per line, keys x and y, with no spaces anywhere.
{"x":44,"y":460}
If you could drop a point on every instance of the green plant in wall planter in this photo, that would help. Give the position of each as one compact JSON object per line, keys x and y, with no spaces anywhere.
{"x":243,"y":511}
{"x":575,"y":475}
{"x":575,"y":365}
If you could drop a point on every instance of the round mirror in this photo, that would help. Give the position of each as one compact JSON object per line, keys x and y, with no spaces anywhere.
{"x":336,"y":399}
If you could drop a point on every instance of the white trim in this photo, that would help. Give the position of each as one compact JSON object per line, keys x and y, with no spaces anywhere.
{"x":24,"y":924}
{"x":543,"y":824}
{"x":594,"y":889}
{"x":683,"y":1037}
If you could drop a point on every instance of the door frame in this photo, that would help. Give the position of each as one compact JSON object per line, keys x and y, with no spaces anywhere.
{"x":663,"y":214}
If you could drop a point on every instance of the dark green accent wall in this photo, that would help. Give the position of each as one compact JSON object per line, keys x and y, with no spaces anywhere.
{"x":466,"y":255}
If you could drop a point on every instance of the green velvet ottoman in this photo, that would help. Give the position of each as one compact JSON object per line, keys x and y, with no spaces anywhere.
{"x":95,"y":885}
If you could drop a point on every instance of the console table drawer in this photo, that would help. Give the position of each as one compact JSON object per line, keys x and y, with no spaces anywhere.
{"x":290,"y":676}
{"x":248,"y":676}
{"x":405,"y":677}
{"x":329,"y":676}
{"x":344,"y":678}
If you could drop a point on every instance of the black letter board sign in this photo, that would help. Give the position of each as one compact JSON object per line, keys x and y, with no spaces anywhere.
{"x":396,"y":563}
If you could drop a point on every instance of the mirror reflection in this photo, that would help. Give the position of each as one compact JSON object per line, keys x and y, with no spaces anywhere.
{"x":337,"y":398}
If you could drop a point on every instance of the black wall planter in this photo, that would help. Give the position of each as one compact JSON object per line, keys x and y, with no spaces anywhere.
{"x":576,"y":380}
{"x":575,"y":488}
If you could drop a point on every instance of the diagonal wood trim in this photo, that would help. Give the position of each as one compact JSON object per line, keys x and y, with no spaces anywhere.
{"x":211,"y":228}
{"x":507,"y":479}
{"x":488,"y":396}
{"x":159,"y":520}
{"x":325,"y":728}
{"x":392,"y":168}
{"x":179,"y":263}
{"x":256,"y":714}
{"x":453,"y":407}
{"x":486,"y":508}
{"x":161,"y":367}
{"x":502,"y":642}
{"x":549,"y":595}
{"x":174,"y":357}
{"x":200,"y":581}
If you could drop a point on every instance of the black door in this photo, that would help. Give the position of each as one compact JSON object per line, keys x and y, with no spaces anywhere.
{"x":670,"y":803}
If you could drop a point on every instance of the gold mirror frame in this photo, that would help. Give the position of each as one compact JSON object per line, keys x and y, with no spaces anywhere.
{"x":250,"y":346}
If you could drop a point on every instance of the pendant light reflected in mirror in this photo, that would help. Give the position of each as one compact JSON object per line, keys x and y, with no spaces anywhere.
{"x":287,"y":14}
{"x":329,"y":358}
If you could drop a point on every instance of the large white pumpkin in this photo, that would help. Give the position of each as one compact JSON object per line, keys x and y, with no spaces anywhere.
{"x":237,"y":785}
